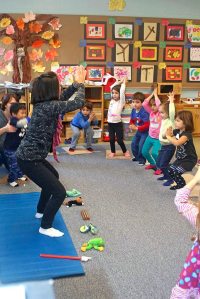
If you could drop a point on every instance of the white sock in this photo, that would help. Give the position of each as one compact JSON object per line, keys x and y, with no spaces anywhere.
{"x":51,"y":232}
{"x":13,"y":184}
{"x":38,"y":215}
{"x":23,"y":178}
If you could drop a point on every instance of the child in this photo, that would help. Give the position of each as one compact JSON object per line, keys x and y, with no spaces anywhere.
{"x":139,"y":122}
{"x":188,"y":285}
{"x":167,"y":112}
{"x":12,"y":142}
{"x":186,"y":157}
{"x":115,"y":126}
{"x":35,"y":146}
{"x":151,"y":146}
{"x":83,"y":120}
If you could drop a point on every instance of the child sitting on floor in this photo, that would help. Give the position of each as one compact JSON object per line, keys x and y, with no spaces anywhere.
{"x":139,"y":123}
{"x":167,"y":112}
{"x":186,"y":156}
{"x":115,"y":126}
{"x":83,"y":120}
{"x":188,"y":285}
{"x":12,"y":141}
{"x":151,"y":146}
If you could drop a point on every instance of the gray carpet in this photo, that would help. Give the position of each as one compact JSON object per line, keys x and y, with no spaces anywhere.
{"x":146,"y":239}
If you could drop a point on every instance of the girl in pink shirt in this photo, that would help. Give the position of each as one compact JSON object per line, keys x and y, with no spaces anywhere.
{"x":152,"y":144}
{"x":188,"y":284}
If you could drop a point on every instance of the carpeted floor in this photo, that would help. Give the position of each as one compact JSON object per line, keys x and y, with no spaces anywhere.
{"x":146,"y":239}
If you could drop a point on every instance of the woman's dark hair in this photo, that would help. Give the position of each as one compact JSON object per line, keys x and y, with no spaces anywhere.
{"x":117,"y":88}
{"x":45,"y":88}
{"x":187,"y":119}
{"x":15,"y":107}
{"x":139,"y":96}
{"x":88,"y":105}
{"x":6,"y":99}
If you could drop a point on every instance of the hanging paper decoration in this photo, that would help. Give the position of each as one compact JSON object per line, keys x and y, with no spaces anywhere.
{"x":162,"y":65}
{"x":83,"y":63}
{"x":139,"y":22}
{"x":187,"y":45}
{"x":23,"y":36}
{"x":110,"y":43}
{"x":162,"y":44}
{"x":8,"y":55}
{"x":136,"y":65}
{"x":110,"y":64}
{"x":83,"y":20}
{"x":82,"y":43}
{"x":186,"y":66}
{"x":137,"y":44}
{"x":165,"y":22}
{"x":188,"y":22}
{"x":111,"y":20}
{"x":38,"y":67}
{"x":117,"y":5}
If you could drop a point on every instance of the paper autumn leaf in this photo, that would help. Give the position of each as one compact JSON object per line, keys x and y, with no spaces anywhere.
{"x":48,"y":34}
{"x":8,"y":55}
{"x":55,"y":43}
{"x":36,"y":55}
{"x":51,"y":54}
{"x":2,"y":50}
{"x":20,"y":24}
{"x":29,"y":16}
{"x":10,"y":30}
{"x":7,"y":40}
{"x":55,"y":24}
{"x":38,"y":43}
{"x":9,"y":67}
{"x":5,"y":22}
{"x":35,"y":27}
{"x":38,"y":67}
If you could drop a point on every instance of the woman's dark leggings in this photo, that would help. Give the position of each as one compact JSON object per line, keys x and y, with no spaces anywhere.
{"x":53,"y":193}
{"x":116,"y":128}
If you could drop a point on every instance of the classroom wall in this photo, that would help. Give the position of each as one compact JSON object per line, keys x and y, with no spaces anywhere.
{"x":138,"y":8}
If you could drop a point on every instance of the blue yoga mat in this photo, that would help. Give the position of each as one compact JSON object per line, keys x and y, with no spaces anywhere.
{"x":21,"y":244}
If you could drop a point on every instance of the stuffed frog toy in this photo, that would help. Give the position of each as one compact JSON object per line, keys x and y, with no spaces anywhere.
{"x":96,"y":243}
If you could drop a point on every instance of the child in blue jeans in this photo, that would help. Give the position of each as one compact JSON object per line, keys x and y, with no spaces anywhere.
{"x":139,"y":122}
{"x":83,"y":120}
{"x":12,"y":141}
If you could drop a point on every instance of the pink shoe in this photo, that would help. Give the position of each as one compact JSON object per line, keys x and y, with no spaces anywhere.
{"x":150,"y":167}
{"x":127,"y":154}
{"x":111,"y":155}
{"x":158,"y":172}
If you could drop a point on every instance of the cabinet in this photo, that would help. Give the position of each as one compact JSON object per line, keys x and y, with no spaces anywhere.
{"x":93,"y":94}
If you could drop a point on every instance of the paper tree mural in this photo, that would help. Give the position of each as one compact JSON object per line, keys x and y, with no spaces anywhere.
{"x":22,"y":41}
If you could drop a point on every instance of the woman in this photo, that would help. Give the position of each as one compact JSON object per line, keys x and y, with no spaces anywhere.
{"x":5,"y":127}
{"x":35,"y":146}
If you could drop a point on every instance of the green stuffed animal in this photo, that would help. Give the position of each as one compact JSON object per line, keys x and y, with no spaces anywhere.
{"x":96,"y":243}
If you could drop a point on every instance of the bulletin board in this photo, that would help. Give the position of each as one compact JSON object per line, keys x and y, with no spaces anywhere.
{"x":146,"y":50}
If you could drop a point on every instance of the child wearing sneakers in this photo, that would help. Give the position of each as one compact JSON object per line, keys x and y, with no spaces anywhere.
{"x":186,"y":156}
{"x":167,"y":112}
{"x":115,"y":126}
{"x":139,"y":123}
{"x":152,"y":145}
{"x":12,"y":141}
{"x":83,"y":120}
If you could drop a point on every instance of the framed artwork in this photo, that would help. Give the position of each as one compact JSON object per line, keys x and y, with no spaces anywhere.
{"x":173,"y":53}
{"x":148,"y":53}
{"x":193,"y":32}
{"x":194,"y":54}
{"x":173,"y":73}
{"x":147,"y":74}
{"x":149,"y":32}
{"x":194,"y":74}
{"x":95,"y":30}
{"x":175,"y":32}
{"x":65,"y":73}
{"x":123,"y":31}
{"x":95,"y":52}
{"x":123,"y":71}
{"x":122,"y":52}
{"x":95,"y":72}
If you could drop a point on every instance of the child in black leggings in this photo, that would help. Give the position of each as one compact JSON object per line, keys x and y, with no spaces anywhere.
{"x":115,"y":126}
{"x":186,"y":157}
